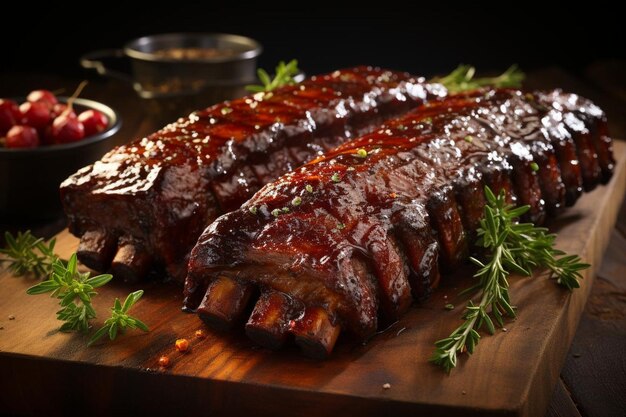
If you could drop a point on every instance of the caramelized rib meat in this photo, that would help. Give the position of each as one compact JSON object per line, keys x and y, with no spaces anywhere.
{"x":161,"y":191}
{"x":363,"y":229}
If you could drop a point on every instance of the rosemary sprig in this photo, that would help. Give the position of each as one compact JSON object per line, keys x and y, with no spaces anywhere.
{"x":120,"y":319}
{"x":26,"y":253}
{"x":511,"y":247}
{"x":75,"y":290}
{"x":284,"y":76}
{"x":462,"y":79}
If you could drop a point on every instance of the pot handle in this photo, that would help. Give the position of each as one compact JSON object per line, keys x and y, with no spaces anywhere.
{"x":96,"y":60}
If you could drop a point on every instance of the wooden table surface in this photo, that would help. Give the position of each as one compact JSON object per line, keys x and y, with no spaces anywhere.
{"x":593,"y":378}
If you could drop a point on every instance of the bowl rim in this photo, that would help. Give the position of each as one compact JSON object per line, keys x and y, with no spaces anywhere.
{"x":115,"y":123}
{"x":254,"y":47}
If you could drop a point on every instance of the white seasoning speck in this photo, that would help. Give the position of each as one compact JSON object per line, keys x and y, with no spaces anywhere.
{"x":386,"y":385}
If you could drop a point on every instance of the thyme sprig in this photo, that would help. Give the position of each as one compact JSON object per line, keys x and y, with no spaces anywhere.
{"x":463,"y":79}
{"x":284,"y":76}
{"x":26,"y":254}
{"x":120,"y":320}
{"x":75,"y":290}
{"x":511,"y":247}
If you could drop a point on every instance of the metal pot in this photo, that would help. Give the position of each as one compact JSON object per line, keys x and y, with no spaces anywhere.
{"x":182,"y":71}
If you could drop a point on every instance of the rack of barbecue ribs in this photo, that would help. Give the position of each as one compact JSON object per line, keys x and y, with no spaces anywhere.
{"x":350,"y":239}
{"x":144,"y":204}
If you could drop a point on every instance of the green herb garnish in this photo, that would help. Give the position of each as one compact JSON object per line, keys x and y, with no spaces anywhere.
{"x":462,"y":79}
{"x":120,"y":319}
{"x":284,"y":76}
{"x":512,"y":247}
{"x":361,"y":153}
{"x":226,"y":110}
{"x":335,"y":177}
{"x":26,"y":253}
{"x":469,"y":138}
{"x":296,"y":201}
{"x":253,"y":210}
{"x":75,"y":290}
{"x":534,"y":166}
{"x":309,"y":188}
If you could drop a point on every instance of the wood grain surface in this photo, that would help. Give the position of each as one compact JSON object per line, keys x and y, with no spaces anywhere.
{"x":511,"y":373}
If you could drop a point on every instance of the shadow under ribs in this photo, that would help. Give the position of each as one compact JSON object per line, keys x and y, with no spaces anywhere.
{"x":347,"y":240}
{"x":161,"y":191}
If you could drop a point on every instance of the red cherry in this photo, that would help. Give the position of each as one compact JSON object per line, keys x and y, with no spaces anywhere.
{"x":66,"y":129}
{"x":42,"y":96}
{"x":59,"y":108}
{"x":9,"y":115}
{"x":35,"y":114}
{"x":20,"y":136}
{"x":94,"y":121}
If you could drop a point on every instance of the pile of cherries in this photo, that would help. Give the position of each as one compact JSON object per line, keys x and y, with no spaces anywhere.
{"x":42,"y":120}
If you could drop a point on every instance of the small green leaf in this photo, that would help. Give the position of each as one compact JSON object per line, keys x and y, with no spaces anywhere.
{"x":131,"y":300}
{"x":99,"y":280}
{"x":67,"y":299}
{"x":42,"y":287}
{"x":284,"y":76}
{"x":113,"y":331}
{"x":101,"y":332}
{"x":264,"y":77}
{"x":72,"y":264}
{"x":140,"y":324}
{"x":67,"y":327}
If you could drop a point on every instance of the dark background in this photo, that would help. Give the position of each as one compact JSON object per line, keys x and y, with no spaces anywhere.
{"x":424,"y":40}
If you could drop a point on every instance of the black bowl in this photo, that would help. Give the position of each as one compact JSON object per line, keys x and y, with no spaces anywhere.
{"x":30,"y":178}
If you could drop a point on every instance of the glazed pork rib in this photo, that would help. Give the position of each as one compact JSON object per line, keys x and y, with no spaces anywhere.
{"x":145,"y":203}
{"x":350,"y":239}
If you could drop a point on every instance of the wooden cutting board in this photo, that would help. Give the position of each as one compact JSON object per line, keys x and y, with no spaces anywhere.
{"x":44,"y":372}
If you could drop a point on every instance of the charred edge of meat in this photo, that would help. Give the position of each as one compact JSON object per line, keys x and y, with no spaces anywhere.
{"x":552,"y":187}
{"x":224,"y":303}
{"x":96,"y":249}
{"x":315,"y":332}
{"x":567,"y":158}
{"x":131,"y":262}
{"x":446,"y":220}
{"x":588,"y":159}
{"x":527,"y":189}
{"x":604,"y":147}
{"x":270,"y":321}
